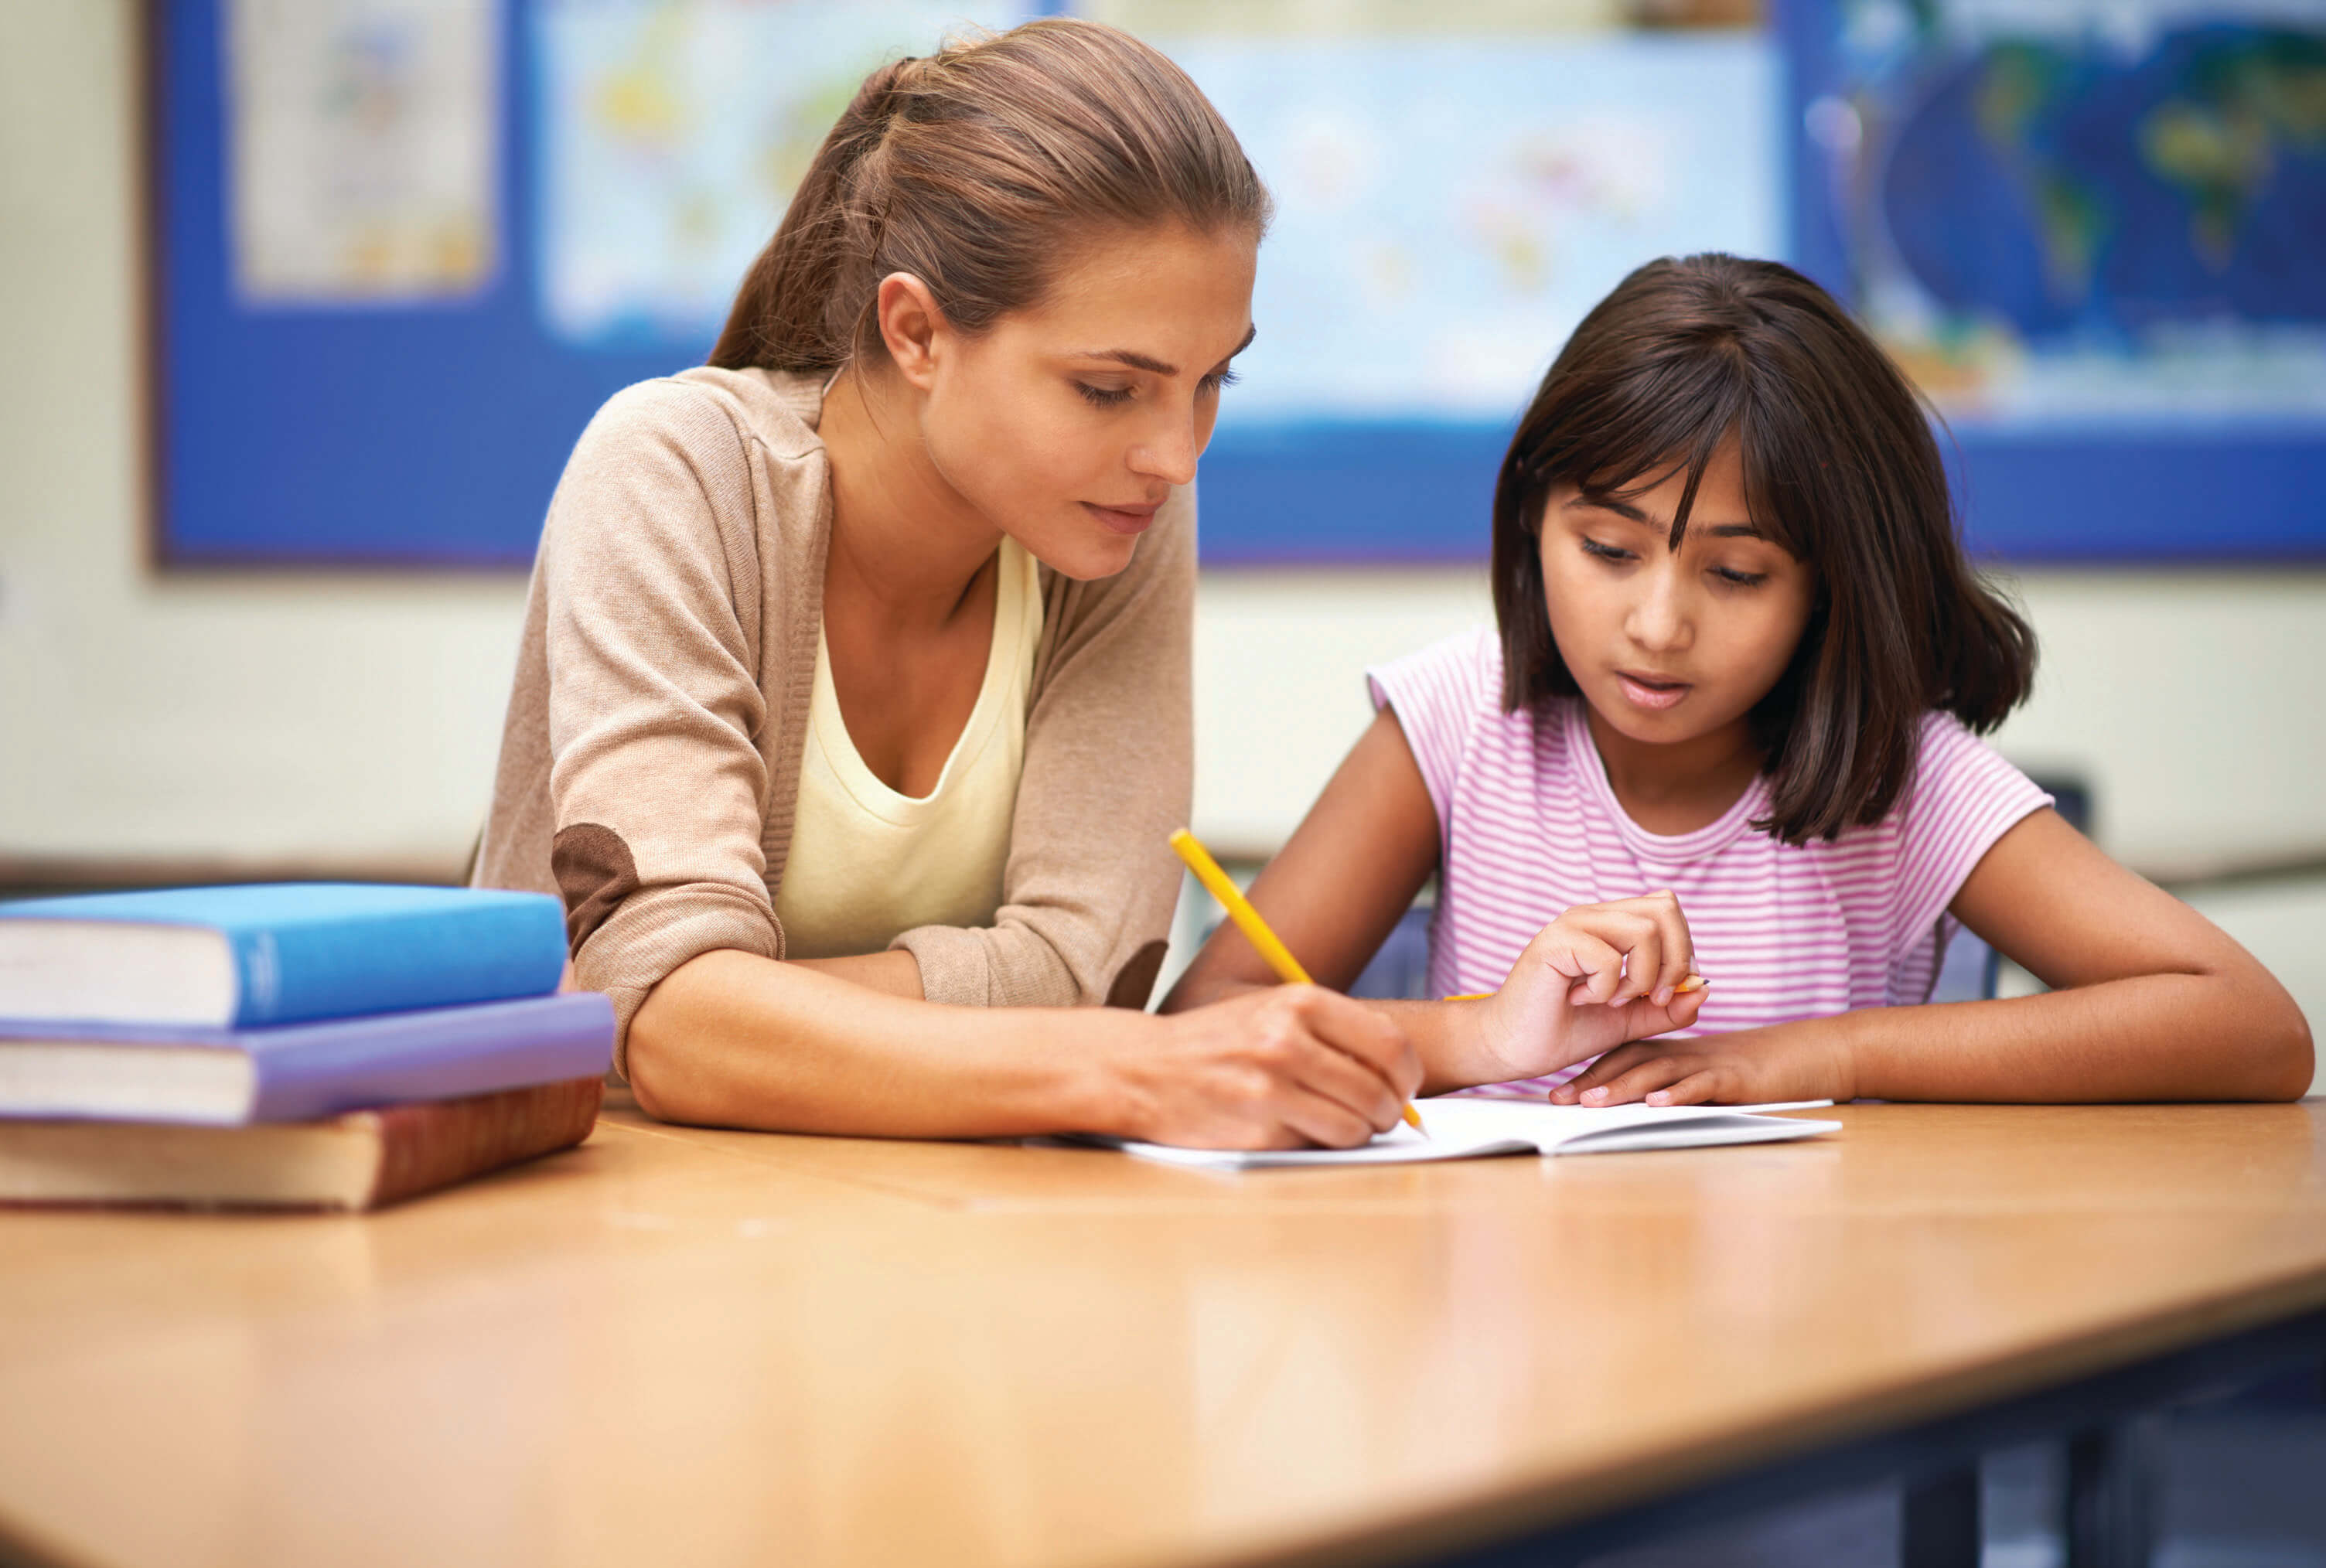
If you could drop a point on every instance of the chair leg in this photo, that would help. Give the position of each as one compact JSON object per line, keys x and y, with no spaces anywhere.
{"x":1939,"y":1524}
{"x":2113,"y":1475}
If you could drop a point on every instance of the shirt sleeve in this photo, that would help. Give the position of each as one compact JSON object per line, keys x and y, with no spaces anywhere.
{"x":1963,"y":798}
{"x":1439,"y":695}
{"x":650,"y":571}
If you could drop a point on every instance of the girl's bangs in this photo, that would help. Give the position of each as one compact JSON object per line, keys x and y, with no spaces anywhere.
{"x":1671,"y":415}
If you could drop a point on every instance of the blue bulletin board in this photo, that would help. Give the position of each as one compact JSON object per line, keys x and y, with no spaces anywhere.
{"x":402,"y":432}
{"x":403,"y":249}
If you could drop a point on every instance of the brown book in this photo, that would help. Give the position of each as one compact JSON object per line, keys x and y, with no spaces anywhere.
{"x":361,"y":1160}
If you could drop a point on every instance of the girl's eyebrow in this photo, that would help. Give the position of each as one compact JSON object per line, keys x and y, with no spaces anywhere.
{"x":1608,"y":504}
{"x":1625,"y":510}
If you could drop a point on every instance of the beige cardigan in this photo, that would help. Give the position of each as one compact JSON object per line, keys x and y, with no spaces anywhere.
{"x":650,"y":761}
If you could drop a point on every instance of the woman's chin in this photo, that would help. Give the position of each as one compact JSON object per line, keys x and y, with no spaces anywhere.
{"x":1084,"y":554}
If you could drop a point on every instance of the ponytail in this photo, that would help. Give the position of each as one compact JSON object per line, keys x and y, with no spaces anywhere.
{"x":783,"y":317}
{"x":974,"y":169}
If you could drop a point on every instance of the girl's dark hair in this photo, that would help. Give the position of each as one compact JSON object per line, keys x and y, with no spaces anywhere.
{"x":978,"y":170}
{"x":1840,"y":468}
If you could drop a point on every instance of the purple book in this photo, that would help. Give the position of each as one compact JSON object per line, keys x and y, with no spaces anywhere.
{"x":299,"y":1072}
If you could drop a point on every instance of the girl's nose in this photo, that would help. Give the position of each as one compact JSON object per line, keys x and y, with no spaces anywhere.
{"x":1659,"y":617}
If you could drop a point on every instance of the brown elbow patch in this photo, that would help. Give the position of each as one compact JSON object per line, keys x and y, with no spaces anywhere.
{"x":595,"y":872}
{"x":1136,"y":982}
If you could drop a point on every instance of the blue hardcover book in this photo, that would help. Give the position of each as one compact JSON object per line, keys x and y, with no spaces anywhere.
{"x":274,"y":953}
{"x":299,"y":1072}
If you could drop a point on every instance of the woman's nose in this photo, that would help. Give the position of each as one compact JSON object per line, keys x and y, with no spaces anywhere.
{"x":1170,"y":452}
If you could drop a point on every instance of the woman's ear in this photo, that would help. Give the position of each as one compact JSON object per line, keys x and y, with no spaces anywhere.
{"x":912,"y":326}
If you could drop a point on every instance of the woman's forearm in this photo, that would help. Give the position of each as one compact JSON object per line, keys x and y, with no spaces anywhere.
{"x":893,"y":973}
{"x":2146,"y":1038}
{"x":731,"y":1039}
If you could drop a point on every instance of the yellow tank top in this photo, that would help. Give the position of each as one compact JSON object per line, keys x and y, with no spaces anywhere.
{"x":867,"y":863}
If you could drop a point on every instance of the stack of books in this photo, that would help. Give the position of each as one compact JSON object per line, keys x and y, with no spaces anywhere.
{"x":326,"y":1045}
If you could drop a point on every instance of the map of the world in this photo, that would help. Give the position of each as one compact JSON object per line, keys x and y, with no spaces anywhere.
{"x":2094,"y":215}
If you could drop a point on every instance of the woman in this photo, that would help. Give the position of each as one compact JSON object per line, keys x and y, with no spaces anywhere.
{"x":855,"y":672}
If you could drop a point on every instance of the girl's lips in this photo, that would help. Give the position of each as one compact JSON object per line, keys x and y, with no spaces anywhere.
{"x":1122,"y":519}
{"x":1660,"y":695}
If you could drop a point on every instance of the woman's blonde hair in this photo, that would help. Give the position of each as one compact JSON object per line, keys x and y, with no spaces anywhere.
{"x":978,"y":169}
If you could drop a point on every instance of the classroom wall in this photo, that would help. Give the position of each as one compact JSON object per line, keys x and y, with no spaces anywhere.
{"x":353,"y":721}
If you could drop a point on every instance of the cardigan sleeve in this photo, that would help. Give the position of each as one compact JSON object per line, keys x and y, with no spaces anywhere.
{"x":1091,"y":881}
{"x":656,"y":787}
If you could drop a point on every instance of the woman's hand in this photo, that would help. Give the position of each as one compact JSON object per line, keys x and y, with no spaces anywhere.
{"x":1750,"y":1067}
{"x":1598,"y":976}
{"x":1281,"y":1067}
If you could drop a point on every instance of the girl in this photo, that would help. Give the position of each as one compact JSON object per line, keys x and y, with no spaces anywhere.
{"x":1728,"y":729}
{"x":854,"y":677}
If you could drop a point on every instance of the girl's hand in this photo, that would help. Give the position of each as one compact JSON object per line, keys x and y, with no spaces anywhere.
{"x":1750,"y":1067}
{"x":1599,"y":975}
{"x":1279,"y":1067}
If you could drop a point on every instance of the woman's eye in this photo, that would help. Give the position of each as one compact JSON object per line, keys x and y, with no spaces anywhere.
{"x":1103,"y":396}
{"x":1220,"y":378}
{"x":1605,"y":551}
{"x":1740,"y":579}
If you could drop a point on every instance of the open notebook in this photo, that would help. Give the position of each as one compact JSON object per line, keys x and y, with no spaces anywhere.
{"x":1462,"y":1129}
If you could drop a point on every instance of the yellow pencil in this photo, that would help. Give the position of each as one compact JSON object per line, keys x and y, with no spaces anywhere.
{"x":1248,"y":921}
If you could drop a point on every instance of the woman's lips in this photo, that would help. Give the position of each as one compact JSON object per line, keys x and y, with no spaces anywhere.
{"x":1123,"y":519}
{"x":1652,"y":690}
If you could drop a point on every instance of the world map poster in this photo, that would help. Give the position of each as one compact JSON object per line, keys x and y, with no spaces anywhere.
{"x":2073,"y":214}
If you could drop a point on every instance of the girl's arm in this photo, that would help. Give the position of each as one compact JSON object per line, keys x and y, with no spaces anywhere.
{"x":733,"y":1039}
{"x":2151,"y":1001}
{"x":1336,"y":890}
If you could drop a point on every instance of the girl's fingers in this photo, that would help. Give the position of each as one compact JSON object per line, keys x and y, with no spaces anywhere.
{"x":1678,"y":947}
{"x":1648,"y":1016}
{"x":1639,"y":1082}
{"x":1649,"y":936}
{"x":1594,"y":966}
{"x":1607,"y":1067}
{"x":1636,"y":937}
{"x":1695,"y":1089}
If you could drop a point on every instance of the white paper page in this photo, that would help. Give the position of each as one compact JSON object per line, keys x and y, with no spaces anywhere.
{"x":1461,"y":1129}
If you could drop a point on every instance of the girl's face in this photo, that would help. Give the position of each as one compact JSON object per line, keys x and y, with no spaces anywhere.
{"x":1067,"y":423}
{"x":1671,"y":646}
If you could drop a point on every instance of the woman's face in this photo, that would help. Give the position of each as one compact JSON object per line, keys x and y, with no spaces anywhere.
{"x":1067,"y":423}
{"x":1671,"y":645}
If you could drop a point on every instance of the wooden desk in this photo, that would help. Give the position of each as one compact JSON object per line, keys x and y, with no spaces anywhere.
{"x":727,"y":1348}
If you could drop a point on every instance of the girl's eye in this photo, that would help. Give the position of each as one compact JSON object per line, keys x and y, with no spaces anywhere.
{"x":1103,"y":396}
{"x":1220,"y":378}
{"x":1740,"y":579}
{"x":1605,"y":551}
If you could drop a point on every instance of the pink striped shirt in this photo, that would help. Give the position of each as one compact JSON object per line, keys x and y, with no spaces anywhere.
{"x":1530,"y":828}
